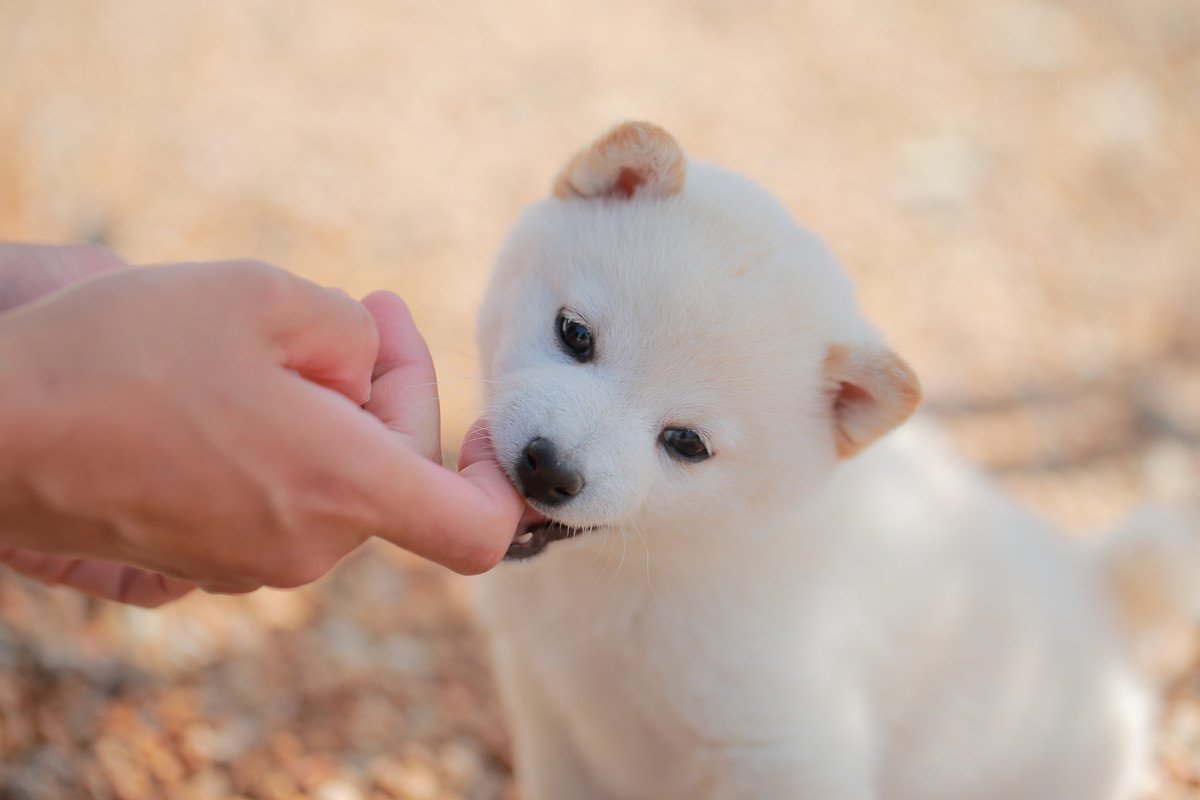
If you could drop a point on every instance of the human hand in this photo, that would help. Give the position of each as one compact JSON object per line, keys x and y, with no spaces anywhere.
{"x":30,"y":271}
{"x":201,"y":421}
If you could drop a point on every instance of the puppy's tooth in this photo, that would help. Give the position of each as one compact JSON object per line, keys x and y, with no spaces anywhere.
{"x":524,"y":538}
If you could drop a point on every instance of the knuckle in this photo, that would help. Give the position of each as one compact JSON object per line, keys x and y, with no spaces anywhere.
{"x":403,"y":312}
{"x":392,"y":308}
{"x":365,"y":328}
{"x":257,"y":267}
{"x":261,"y":283}
{"x":383,"y":297}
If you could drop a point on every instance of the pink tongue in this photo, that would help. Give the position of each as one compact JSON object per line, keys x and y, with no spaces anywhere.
{"x":530,"y":519}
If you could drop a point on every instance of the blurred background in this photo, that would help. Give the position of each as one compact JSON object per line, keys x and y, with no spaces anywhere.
{"x":1014,"y":184}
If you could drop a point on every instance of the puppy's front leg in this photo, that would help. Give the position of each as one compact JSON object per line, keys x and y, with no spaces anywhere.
{"x":548,"y":766}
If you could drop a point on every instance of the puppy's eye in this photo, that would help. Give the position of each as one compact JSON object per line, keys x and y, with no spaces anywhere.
{"x":575,"y":337}
{"x":685,"y":444}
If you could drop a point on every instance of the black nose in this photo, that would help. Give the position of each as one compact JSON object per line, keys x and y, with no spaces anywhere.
{"x":545,"y":476}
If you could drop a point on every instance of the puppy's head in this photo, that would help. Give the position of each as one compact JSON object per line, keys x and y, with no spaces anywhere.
{"x":669,"y":352}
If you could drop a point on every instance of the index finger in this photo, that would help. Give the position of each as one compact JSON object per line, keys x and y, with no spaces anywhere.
{"x":463,"y":520}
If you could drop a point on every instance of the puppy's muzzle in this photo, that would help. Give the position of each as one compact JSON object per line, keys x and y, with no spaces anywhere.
{"x":545,"y":475}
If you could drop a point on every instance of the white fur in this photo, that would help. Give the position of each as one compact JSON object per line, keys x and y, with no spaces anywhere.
{"x":773,"y":622}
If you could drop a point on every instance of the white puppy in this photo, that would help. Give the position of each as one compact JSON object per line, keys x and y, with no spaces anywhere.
{"x":737,"y":598}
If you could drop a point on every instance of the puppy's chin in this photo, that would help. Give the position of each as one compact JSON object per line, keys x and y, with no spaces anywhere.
{"x":535,"y":532}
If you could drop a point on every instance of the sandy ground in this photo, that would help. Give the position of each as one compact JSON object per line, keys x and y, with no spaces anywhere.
{"x":1012,"y":184}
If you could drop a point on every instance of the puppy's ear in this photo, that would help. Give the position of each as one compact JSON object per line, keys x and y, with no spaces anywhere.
{"x":633,"y":158}
{"x":871,"y":391}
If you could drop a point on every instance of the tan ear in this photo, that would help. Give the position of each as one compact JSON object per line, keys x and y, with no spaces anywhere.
{"x":632,"y":158}
{"x":872,"y":391}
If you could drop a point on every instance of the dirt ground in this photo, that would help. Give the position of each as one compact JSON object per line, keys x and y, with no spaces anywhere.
{"x":1013,"y":185}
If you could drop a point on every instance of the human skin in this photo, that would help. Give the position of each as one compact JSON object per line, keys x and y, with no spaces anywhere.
{"x":225,"y":425}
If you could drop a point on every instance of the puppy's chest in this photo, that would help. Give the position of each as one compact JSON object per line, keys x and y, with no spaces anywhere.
{"x":664,"y":672}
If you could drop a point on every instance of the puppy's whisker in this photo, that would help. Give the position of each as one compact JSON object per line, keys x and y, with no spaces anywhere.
{"x":592,"y":563}
{"x":646,"y":547}
{"x":608,"y":563}
{"x":621,"y":563}
{"x":446,"y":398}
{"x":603,"y":570}
{"x":440,"y":381}
{"x":459,"y":403}
{"x":464,"y":378}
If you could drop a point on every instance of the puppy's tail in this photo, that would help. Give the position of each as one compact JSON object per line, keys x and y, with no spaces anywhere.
{"x":1151,"y":564}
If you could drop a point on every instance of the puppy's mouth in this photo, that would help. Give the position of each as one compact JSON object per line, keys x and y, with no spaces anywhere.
{"x":534,"y":534}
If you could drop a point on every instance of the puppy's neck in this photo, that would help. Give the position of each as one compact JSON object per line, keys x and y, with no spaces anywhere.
{"x":695,"y":553}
